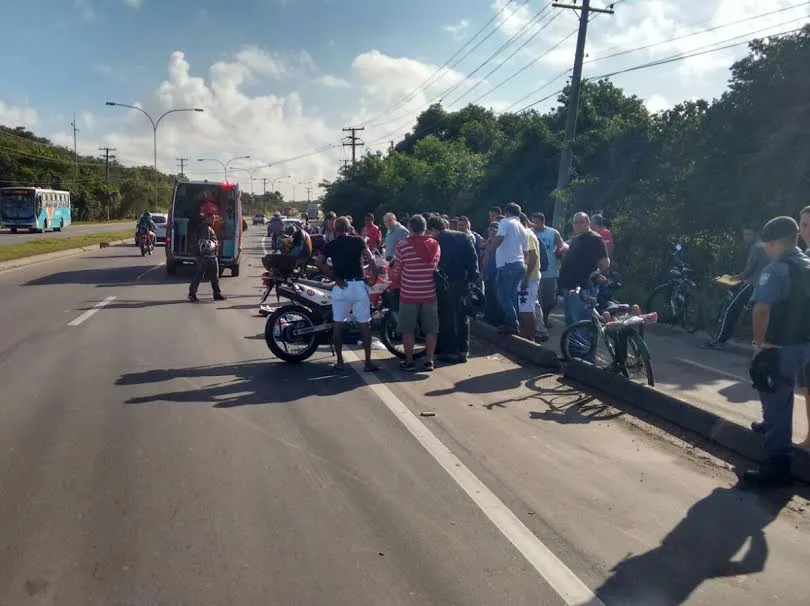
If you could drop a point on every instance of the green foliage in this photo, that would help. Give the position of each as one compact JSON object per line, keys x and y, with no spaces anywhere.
{"x":26,"y":159}
{"x":695,"y":174}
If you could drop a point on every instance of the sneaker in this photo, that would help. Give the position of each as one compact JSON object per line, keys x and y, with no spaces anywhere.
{"x":407,"y":366}
{"x":192,"y":298}
{"x":774,"y":473}
{"x":219,"y":298}
{"x":428,"y":366}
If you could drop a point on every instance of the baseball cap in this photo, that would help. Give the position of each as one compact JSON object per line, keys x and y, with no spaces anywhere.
{"x":779,"y":228}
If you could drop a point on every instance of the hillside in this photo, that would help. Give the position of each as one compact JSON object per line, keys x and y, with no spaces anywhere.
{"x":26,"y":159}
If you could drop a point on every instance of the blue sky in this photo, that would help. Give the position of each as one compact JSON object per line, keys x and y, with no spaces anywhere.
{"x":280,"y":78}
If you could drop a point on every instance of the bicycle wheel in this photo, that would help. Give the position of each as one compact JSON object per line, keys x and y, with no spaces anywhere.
{"x":579,"y":341}
{"x":660,"y":300}
{"x":638,"y":363}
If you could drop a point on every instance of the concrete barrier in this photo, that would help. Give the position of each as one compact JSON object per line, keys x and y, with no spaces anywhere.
{"x":707,"y":424}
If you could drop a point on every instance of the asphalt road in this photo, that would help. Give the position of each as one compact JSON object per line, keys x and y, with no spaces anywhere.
{"x":7,"y":238}
{"x":155,"y":453}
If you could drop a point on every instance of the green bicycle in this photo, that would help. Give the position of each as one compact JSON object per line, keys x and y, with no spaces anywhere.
{"x":620,"y":328}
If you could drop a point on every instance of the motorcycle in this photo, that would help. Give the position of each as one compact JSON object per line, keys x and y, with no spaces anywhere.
{"x":146,"y":244}
{"x":295,"y":330}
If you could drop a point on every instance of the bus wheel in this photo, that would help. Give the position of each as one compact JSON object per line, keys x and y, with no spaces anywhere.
{"x":61,"y":225}
{"x":235,"y":270}
{"x":44,"y":226}
{"x":13,"y":230}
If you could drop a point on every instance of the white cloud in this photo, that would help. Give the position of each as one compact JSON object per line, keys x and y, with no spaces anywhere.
{"x":656,"y":103}
{"x":269,"y":127}
{"x":12,"y":115}
{"x":333,"y":82}
{"x":134,"y":4}
{"x":85,"y":8}
{"x":458,"y":28}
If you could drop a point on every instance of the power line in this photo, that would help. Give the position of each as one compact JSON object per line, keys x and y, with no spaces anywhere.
{"x":537,"y":16}
{"x":447,"y":64}
{"x":353,"y":141}
{"x":513,"y":53}
{"x":524,"y":68}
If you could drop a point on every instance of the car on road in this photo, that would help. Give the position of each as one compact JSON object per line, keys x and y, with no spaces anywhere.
{"x":259,"y":219}
{"x":160,"y":227}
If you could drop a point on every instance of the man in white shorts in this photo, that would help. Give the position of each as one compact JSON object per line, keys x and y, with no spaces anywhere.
{"x":350,"y":294}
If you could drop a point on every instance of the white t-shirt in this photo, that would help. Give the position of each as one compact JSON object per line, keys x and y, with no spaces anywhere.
{"x":514,"y":244}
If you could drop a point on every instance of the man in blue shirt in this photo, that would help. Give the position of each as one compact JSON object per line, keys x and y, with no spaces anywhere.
{"x":781,"y":328}
{"x":551,"y":239}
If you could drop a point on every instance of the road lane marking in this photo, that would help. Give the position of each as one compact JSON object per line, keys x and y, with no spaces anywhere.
{"x":728,"y":375}
{"x":92,"y":311}
{"x":567,"y":585}
{"x":153,"y":268}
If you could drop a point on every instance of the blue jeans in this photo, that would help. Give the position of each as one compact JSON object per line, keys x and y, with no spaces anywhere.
{"x":575,"y":309}
{"x":777,"y":407}
{"x":509,"y":277}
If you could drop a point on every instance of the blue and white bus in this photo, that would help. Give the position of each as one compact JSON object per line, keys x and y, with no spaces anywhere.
{"x":34,"y":209}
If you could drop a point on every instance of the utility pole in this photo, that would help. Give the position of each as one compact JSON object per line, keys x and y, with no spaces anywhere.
{"x":353,"y":141}
{"x":309,"y":191}
{"x":107,"y":158}
{"x":182,"y":162}
{"x":75,"y":148}
{"x":264,"y":194}
{"x":564,"y":175}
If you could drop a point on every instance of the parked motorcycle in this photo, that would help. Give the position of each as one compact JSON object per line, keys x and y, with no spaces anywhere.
{"x":296,"y":329}
{"x":146,"y":244}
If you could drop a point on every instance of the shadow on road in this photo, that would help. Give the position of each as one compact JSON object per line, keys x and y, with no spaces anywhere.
{"x":101,"y":277}
{"x":701,"y":547}
{"x":250,"y":383}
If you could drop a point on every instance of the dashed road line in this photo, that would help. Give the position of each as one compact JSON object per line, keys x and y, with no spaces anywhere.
{"x":92,"y":311}
{"x":567,"y":585}
{"x":151,"y":269}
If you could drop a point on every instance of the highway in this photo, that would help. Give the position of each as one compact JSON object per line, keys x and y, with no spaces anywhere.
{"x":7,"y":238}
{"x":155,"y":453}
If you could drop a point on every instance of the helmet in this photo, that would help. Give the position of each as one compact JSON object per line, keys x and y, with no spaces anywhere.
{"x":473,"y":301}
{"x":147,"y":214}
{"x":207,"y":247}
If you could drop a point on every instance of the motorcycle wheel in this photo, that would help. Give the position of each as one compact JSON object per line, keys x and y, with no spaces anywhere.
{"x":276,"y":326}
{"x":390,"y":337}
{"x":143,"y":251}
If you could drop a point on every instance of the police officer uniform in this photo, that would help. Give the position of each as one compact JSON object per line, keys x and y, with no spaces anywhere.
{"x":784,"y":288}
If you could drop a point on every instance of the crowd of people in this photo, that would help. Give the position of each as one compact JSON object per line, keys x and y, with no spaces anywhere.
{"x":437,"y":261}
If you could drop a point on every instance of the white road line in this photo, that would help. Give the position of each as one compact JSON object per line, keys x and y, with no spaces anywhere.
{"x":569,"y":587}
{"x":90,"y":312}
{"x":149,"y":270}
{"x":722,"y":373}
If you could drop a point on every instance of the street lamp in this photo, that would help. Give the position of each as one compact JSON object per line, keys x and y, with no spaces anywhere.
{"x":224,"y":165}
{"x":155,"y":124}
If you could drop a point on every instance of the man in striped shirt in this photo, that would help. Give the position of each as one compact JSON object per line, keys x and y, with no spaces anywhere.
{"x":415,"y":261}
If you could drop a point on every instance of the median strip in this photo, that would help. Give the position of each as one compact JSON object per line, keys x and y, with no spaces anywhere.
{"x":47,"y":245}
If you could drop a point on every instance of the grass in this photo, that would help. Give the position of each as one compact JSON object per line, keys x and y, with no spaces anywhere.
{"x":102,"y":222}
{"x":50,"y":245}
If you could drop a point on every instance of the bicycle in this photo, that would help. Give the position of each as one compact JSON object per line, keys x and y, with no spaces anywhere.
{"x":679,"y":295}
{"x":621,"y":329}
{"x":723,"y":303}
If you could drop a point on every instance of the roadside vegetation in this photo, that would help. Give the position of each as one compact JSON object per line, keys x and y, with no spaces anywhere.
{"x":12,"y":252}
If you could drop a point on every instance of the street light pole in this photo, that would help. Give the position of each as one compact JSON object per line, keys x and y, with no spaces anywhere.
{"x":224,"y":165}
{"x":155,"y":124}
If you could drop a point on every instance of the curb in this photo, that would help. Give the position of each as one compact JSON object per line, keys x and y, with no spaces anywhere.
{"x":37,"y":259}
{"x":517,"y":346}
{"x":728,"y":434}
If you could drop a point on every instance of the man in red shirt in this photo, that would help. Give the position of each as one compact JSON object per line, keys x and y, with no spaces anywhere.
{"x":598,"y":225}
{"x":372,"y":232}
{"x":415,"y":261}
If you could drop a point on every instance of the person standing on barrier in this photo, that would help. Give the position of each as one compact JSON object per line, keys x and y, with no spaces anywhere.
{"x":781,"y":327}
{"x":460,"y":264}
{"x":511,"y":245}
{"x":586,"y":254}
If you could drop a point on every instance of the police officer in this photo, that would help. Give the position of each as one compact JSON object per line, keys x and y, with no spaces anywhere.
{"x":206,"y":259}
{"x":781,"y":328}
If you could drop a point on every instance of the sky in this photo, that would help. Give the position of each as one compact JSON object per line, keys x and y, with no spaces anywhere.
{"x":278,"y":80}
